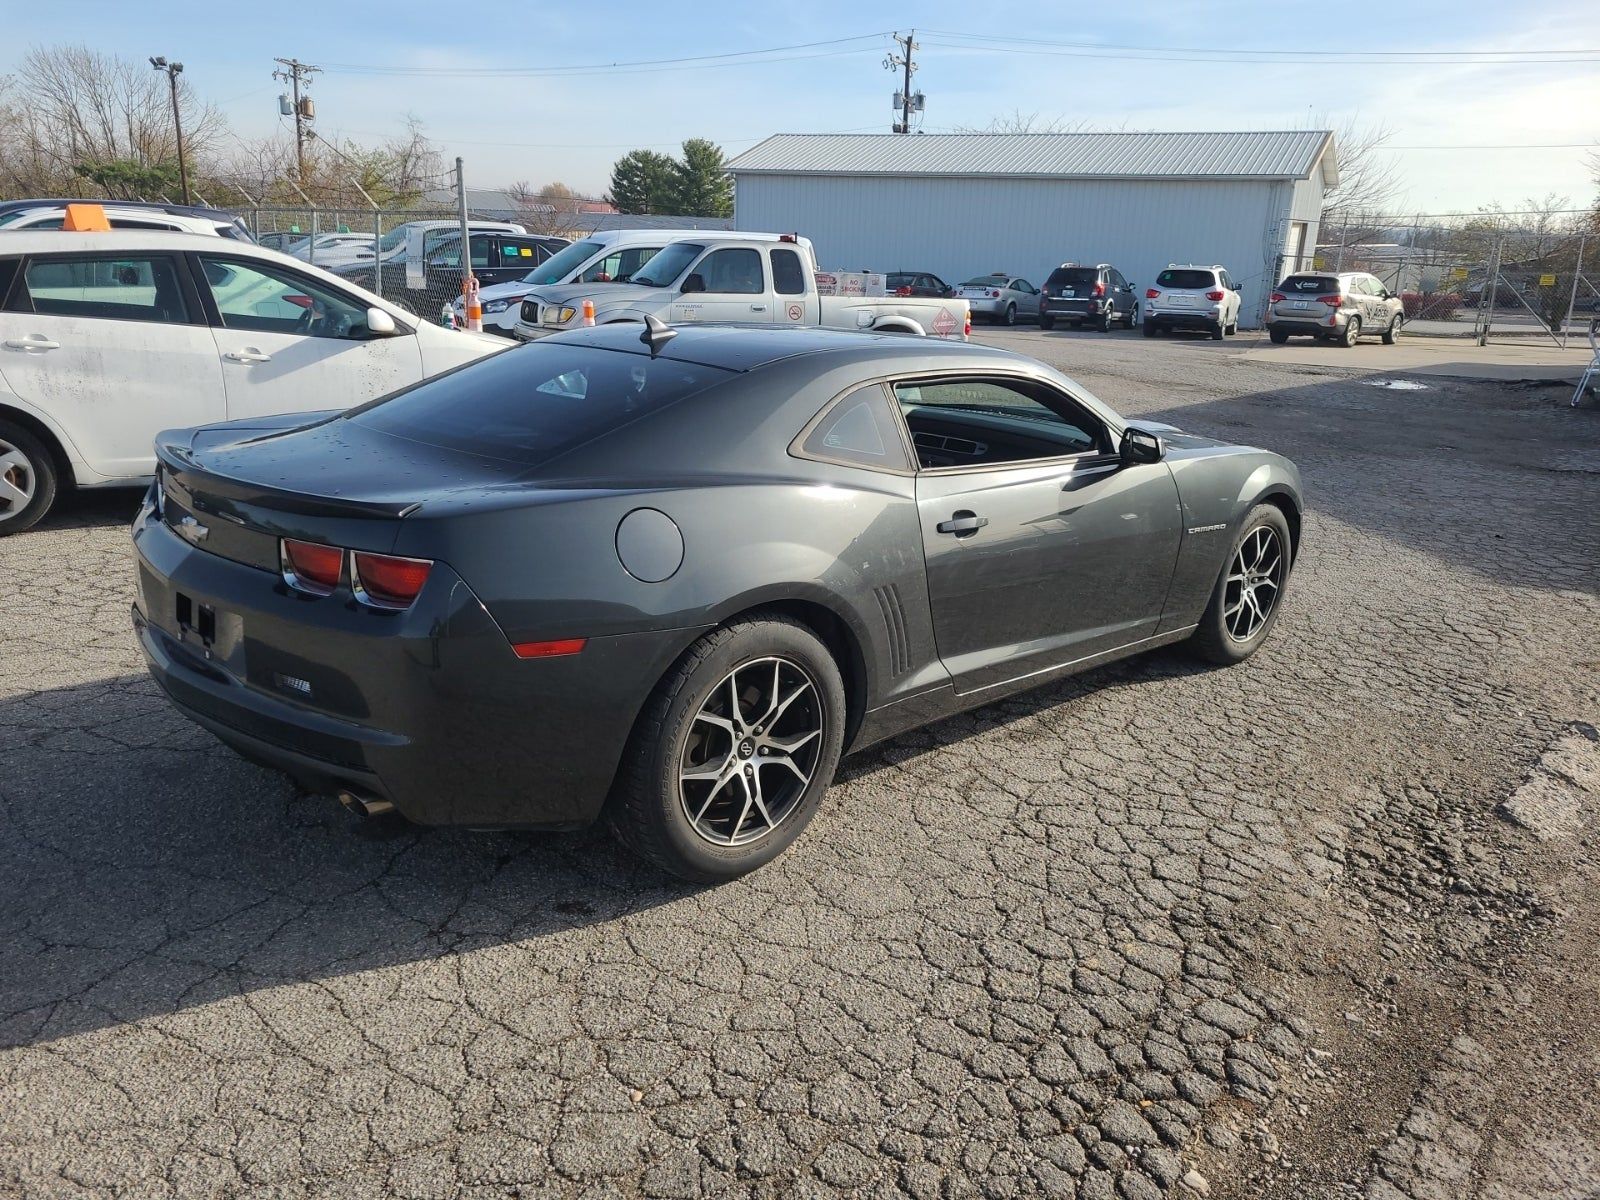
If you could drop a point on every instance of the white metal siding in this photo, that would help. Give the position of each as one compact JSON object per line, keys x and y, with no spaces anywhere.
{"x":958,"y":228}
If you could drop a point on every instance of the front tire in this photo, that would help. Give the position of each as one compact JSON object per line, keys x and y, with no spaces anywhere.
{"x":28,"y":479}
{"x":733,"y":752}
{"x":1248,"y":594}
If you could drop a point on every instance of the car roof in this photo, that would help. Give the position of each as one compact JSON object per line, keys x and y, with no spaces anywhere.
{"x":60,"y":241}
{"x":748,"y":347}
{"x":185,"y":210}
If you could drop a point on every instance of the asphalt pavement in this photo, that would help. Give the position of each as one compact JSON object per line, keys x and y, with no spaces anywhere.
{"x":1323,"y":925}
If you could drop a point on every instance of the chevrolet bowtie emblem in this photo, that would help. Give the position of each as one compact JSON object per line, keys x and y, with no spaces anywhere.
{"x":191,"y":530}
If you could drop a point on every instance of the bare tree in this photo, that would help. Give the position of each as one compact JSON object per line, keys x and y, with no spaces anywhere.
{"x":1018,"y":121}
{"x":1369,"y":179}
{"x":72,"y":107}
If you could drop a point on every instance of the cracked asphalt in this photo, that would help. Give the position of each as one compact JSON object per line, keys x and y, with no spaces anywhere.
{"x":1323,"y":925}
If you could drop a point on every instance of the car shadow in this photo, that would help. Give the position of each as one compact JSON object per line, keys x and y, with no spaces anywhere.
{"x":146,"y":869}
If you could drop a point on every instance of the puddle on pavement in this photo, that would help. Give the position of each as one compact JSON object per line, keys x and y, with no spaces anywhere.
{"x":1397,"y":385}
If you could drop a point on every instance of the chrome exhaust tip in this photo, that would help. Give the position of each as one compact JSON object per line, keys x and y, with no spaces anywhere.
{"x":365,"y":806}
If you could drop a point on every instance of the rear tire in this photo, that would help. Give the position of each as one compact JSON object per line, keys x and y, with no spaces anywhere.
{"x":1391,"y":335}
{"x":1278,"y":336}
{"x":1011,"y":314}
{"x":28,"y":479}
{"x":1133,"y":318}
{"x":1352,"y":333}
{"x":1150,"y":328}
{"x":689,"y":727}
{"x":1216,"y":331}
{"x":1264,"y":534}
{"x":1106,"y":318}
{"x":1047,"y":323}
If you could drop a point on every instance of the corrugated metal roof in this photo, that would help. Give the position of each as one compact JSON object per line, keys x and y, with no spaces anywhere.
{"x":614,"y":220}
{"x":1292,"y":154}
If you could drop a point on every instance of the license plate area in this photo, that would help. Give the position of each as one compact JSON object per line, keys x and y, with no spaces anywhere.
{"x":196,"y":620}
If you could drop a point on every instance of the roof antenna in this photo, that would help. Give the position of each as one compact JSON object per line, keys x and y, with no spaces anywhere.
{"x":656,"y":334}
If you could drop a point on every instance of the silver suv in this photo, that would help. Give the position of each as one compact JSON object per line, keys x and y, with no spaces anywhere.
{"x":1337,"y":307}
{"x":1192,"y":297}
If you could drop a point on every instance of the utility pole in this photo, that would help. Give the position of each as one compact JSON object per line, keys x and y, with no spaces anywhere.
{"x":173,"y":70}
{"x":904,"y":100}
{"x":293,"y":72}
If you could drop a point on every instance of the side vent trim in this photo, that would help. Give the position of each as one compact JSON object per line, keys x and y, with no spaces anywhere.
{"x":894,"y":620}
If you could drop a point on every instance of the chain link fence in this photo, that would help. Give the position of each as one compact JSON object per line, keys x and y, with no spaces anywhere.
{"x":1488,"y":276}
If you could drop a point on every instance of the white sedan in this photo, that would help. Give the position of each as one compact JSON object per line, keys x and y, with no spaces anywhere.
{"x":1000,"y":298}
{"x":108,"y":338}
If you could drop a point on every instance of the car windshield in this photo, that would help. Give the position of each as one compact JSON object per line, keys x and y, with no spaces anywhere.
{"x":558,"y":266}
{"x":538,"y":403}
{"x":1186,"y":279}
{"x":668,"y":264}
{"x":1073,"y":276}
{"x":1309,"y":285}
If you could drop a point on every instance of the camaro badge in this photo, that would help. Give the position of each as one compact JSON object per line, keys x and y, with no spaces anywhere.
{"x":191,"y":530}
{"x":1206,"y":528}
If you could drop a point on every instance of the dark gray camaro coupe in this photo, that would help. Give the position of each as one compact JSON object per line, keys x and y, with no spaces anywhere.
{"x":670,"y":577}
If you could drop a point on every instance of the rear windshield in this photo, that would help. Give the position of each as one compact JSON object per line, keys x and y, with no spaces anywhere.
{"x":899,"y":280}
{"x":1309,"y":285}
{"x":1067,"y":276}
{"x":1182,"y":279}
{"x":988,"y":281}
{"x":530,"y":405}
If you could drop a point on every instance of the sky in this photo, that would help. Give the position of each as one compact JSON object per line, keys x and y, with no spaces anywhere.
{"x":483,"y":87}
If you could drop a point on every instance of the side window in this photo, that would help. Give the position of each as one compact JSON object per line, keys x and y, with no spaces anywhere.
{"x":632,"y":259}
{"x":860,"y":430}
{"x":734,"y":271}
{"x":266,"y":298}
{"x":986,"y":421}
{"x":603,"y":271}
{"x":8,"y":272}
{"x":514,"y":253}
{"x":787,"y":277}
{"x":110,"y":287}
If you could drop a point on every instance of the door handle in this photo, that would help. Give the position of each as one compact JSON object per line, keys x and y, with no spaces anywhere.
{"x":758,"y":308}
{"x":33,"y":341}
{"x":247,"y":356}
{"x":962,"y":524}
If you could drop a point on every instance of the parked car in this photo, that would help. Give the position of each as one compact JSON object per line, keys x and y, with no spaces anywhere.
{"x":1095,"y":295}
{"x":1335,"y":307}
{"x":918,"y":283}
{"x":411,"y":605}
{"x":1192,"y":297}
{"x":498,"y":256}
{"x":744,"y":278}
{"x":327,"y":248}
{"x":607,"y":256}
{"x":999,"y":297}
{"x":282,"y":240}
{"x":17,"y":215}
{"x":108,"y":338}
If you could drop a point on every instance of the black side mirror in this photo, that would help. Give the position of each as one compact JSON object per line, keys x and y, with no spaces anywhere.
{"x":694,"y":283}
{"x":1141,"y":446}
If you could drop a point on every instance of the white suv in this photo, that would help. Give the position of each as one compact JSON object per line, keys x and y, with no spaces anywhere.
{"x":52,"y":214}
{"x":1192,"y":297}
{"x":106,"y":339}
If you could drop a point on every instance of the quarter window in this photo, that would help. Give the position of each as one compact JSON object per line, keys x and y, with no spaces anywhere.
{"x":268,"y":299}
{"x":859,"y":429}
{"x":109,"y":287}
{"x":787,"y":277}
{"x":734,"y":271}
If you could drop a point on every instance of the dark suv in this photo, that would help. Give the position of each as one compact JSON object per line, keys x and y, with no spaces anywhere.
{"x":1096,"y":295}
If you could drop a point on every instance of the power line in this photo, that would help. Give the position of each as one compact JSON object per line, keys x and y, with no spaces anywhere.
{"x":749,"y":57}
{"x":906,"y":62}
{"x":1230,"y":50}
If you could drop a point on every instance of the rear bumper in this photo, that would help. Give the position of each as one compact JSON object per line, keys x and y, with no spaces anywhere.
{"x":1184,"y":318}
{"x":428,"y":708}
{"x":1072,"y":310}
{"x":1302,"y":325}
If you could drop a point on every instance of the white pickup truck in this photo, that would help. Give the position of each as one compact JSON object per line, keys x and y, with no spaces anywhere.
{"x":746,"y":279}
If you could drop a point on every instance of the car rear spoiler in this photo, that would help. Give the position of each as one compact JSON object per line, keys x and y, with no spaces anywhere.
{"x":198,"y":480}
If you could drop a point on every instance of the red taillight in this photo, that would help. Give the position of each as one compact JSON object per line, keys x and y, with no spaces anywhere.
{"x":902,"y":291}
{"x":1215,"y":295}
{"x":994,"y":295}
{"x":311,"y":566}
{"x":388,"y":580}
{"x":1331,"y":301}
{"x":1151,"y":294}
{"x":559,"y":648}
{"x":1099,"y":290}
{"x":1278,"y":297}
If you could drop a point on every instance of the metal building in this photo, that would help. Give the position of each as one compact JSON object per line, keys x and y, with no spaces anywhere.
{"x":966,"y":204}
